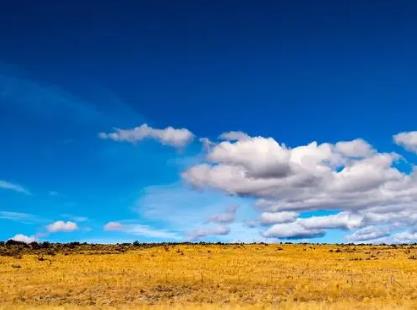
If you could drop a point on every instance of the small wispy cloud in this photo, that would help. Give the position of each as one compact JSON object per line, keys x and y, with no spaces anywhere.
{"x":74,"y":218}
{"x":13,"y":187}
{"x":218,"y":230}
{"x":139,"y":230}
{"x":219,"y":225}
{"x":226,"y":217}
{"x":44,"y":100}
{"x":18,"y":217}
{"x":176,"y":137}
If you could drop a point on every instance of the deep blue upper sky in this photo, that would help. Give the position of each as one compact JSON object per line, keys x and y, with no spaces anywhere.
{"x":295,"y":70}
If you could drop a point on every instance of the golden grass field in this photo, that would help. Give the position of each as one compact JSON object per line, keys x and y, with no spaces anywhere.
{"x":257,"y":276}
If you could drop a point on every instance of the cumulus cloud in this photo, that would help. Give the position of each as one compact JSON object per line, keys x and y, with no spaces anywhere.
{"x":139,"y":230}
{"x":218,"y":230}
{"x":271,"y":158}
{"x":408,"y":140}
{"x":61,"y":226}
{"x":405,"y":237}
{"x":314,"y":226}
{"x":278,"y":217}
{"x":369,"y":233}
{"x":13,"y":187}
{"x":292,"y":231}
{"x":364,"y":185}
{"x":226,"y":217}
{"x":234,"y":136}
{"x":167,"y":136}
{"x":354,"y":148}
{"x":342,"y":220}
{"x":312,"y":176}
{"x":23,"y":238}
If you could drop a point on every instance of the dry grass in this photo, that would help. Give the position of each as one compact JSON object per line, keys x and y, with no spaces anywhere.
{"x":212,"y":276}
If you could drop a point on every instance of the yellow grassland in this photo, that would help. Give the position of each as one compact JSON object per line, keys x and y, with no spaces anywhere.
{"x":214,"y":277}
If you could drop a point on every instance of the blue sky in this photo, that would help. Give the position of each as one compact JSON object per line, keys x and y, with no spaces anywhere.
{"x":285,"y":73}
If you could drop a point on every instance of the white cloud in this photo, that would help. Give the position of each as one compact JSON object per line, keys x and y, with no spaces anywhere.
{"x":369,"y":233}
{"x":408,"y":140}
{"x":218,"y":230}
{"x":278,"y":217}
{"x":13,"y":187}
{"x":225,"y":217}
{"x":342,"y":220}
{"x":233,"y":136}
{"x":405,"y":237}
{"x":350,"y":176}
{"x":313,"y":176}
{"x":292,"y":231}
{"x":354,"y":148}
{"x":271,"y":158}
{"x":61,"y":226}
{"x":167,"y":136}
{"x":314,"y":226}
{"x":139,"y":230}
{"x":23,"y":238}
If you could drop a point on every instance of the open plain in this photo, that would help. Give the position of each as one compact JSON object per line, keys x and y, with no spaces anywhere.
{"x":208,"y":276}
